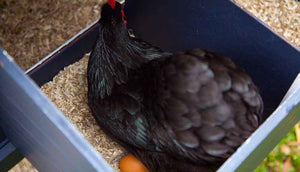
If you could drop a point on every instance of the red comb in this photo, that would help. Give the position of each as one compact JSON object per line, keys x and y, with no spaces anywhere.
{"x":112,"y":3}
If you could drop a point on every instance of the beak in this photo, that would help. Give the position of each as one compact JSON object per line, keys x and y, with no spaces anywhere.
{"x":122,"y":2}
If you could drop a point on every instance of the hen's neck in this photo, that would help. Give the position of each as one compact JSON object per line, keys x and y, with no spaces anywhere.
{"x":115,"y":36}
{"x":110,"y":60}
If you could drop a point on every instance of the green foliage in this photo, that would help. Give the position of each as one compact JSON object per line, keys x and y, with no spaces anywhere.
{"x":276,"y":158}
{"x":262,"y":168}
{"x":296,"y":161}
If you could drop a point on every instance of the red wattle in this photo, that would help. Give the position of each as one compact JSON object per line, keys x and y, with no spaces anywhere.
{"x":112,"y":3}
{"x":123,"y":16}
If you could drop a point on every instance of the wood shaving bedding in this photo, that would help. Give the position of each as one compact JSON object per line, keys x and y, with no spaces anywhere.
{"x":68,"y":91}
{"x":283,"y":16}
{"x":23,"y":166}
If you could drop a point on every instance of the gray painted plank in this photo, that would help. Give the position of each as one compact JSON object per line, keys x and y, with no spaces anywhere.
{"x":38,"y":129}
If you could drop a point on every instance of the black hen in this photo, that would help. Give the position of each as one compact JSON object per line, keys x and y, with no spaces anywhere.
{"x":186,"y":111}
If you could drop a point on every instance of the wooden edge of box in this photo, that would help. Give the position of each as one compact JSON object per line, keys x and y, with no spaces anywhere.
{"x":60,"y":48}
{"x":37,"y":128}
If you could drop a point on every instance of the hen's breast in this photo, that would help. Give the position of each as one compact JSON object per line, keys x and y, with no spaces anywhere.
{"x":208,"y":105}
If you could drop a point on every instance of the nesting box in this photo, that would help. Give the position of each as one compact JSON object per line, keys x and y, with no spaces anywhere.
{"x":38,"y":130}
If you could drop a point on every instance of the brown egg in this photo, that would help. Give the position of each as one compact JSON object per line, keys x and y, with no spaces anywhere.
{"x":130,"y":163}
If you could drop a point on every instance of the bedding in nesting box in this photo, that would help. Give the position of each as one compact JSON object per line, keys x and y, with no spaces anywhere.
{"x":68,"y":91}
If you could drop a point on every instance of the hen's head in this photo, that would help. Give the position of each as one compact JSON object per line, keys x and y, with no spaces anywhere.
{"x":112,"y":12}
